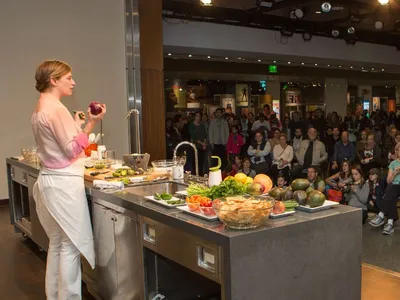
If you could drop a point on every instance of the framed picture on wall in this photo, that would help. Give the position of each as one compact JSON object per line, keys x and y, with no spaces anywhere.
{"x":242,"y":95}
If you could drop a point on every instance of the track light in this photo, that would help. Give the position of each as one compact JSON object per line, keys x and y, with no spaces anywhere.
{"x":378,"y":25}
{"x":335,"y":33}
{"x":351,"y":30}
{"x":206,"y":2}
{"x":307,"y":36}
{"x":383,"y":2}
{"x":326,"y":7}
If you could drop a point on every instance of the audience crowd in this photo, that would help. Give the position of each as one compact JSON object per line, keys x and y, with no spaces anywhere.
{"x":354,"y":160}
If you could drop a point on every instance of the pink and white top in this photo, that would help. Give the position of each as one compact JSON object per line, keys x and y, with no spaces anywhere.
{"x":60,"y":141}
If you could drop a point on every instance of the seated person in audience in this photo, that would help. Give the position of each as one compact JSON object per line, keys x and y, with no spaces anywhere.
{"x":360,"y":146}
{"x":247,"y":168}
{"x":281,"y":181}
{"x":282,"y":158}
{"x":311,"y":153}
{"x":358,"y":191}
{"x":376,"y":191}
{"x":275,"y":139}
{"x":233,"y":168}
{"x":339,"y":180}
{"x":298,"y":137}
{"x":344,"y":150}
{"x":389,"y":201}
{"x":258,"y":152}
{"x":316,"y":181}
{"x":370,"y":157}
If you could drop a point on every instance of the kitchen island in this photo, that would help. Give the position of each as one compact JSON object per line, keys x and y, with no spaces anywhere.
{"x":145,"y":251}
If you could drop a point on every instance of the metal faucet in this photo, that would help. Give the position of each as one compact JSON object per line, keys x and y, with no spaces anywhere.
{"x":196,"y":157}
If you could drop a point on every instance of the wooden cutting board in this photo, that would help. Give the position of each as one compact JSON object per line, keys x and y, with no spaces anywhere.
{"x":90,"y":178}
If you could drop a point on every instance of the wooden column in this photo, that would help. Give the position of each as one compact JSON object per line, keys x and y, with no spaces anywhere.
{"x":152,"y":78}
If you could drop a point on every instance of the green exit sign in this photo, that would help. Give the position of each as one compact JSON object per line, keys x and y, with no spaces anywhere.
{"x":273,"y":69}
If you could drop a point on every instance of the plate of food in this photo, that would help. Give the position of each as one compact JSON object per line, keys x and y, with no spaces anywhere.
{"x":200,"y":206}
{"x":166,"y":200}
{"x":283,"y":209}
{"x":327,"y":205}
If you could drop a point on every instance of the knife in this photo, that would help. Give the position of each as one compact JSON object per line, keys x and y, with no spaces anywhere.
{"x":98,"y":173}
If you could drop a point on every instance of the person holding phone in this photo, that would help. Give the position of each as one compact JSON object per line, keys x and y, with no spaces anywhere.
{"x":59,"y":192}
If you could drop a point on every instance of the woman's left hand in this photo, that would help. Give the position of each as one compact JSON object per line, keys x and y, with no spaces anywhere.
{"x":77,"y":118}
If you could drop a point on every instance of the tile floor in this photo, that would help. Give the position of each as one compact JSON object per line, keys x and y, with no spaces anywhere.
{"x":23,"y":266}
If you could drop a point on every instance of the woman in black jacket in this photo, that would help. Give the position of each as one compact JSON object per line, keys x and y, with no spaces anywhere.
{"x":371,"y":156}
{"x":376,"y":191}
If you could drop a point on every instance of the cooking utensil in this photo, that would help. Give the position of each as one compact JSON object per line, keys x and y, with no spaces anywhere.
{"x":98,"y":173}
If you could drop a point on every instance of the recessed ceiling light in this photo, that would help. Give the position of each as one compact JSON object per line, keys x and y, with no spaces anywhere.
{"x":226,"y":57}
{"x":362,"y":68}
{"x":373,"y":69}
{"x":289,"y":62}
{"x":190,"y":55}
{"x":329,"y":65}
{"x":259,"y":60}
{"x":302,"y":64}
{"x":274,"y":61}
{"x":315,"y":64}
{"x":383,"y":2}
{"x":169,"y":54}
{"x":239,"y":58}
{"x":208,"y":56}
{"x":351,"y":67}
{"x":383,"y":70}
{"x":340,"y":66}
{"x":318,"y":12}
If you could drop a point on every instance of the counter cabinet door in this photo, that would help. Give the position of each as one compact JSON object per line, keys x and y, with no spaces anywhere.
{"x":129,"y":262}
{"x":106,"y":263}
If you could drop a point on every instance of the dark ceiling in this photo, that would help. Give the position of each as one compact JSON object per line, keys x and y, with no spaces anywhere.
{"x":276,"y":15}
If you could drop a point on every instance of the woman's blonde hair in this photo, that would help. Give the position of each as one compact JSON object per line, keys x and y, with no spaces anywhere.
{"x":47,"y":70}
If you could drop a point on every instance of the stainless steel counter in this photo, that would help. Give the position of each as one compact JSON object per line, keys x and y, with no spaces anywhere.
{"x":244,"y":260}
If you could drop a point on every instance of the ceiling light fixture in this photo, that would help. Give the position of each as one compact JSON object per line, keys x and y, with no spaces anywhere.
{"x":335,"y":33}
{"x":274,"y":61}
{"x":289,"y":62}
{"x":340,"y":66}
{"x":378,"y":25}
{"x":329,"y":65}
{"x":316,"y":65}
{"x":373,"y":69}
{"x":169,"y":54}
{"x":259,"y":60}
{"x":226,"y":57}
{"x":351,"y":30}
{"x":190,"y":55}
{"x":383,"y":70}
{"x":383,"y":2}
{"x":326,"y":7}
{"x":302,"y":64}
{"x":318,"y":12}
{"x":208,"y":56}
{"x":351,"y":67}
{"x":206,"y":2}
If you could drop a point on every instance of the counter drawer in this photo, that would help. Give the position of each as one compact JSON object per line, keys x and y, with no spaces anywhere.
{"x":190,"y":251}
{"x":19,"y":175}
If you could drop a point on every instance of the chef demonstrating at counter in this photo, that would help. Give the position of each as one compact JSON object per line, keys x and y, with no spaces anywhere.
{"x":59,"y":191}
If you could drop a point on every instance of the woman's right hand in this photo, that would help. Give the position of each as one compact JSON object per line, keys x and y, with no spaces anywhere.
{"x":99,"y":117}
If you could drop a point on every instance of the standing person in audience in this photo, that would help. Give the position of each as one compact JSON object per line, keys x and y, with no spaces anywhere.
{"x":266,"y":111}
{"x":261,"y":125}
{"x":332,"y":136}
{"x":218,"y":136}
{"x":235,"y":143}
{"x":392,"y":152}
{"x":357,"y":195}
{"x":389,"y":201}
{"x":258,"y":152}
{"x":311,"y":153}
{"x":247,"y":170}
{"x":198,"y":136}
{"x":282,"y":158}
{"x":371,"y":156}
{"x":344,"y":150}
{"x":319,"y":123}
{"x":286,"y":128}
{"x":298,"y":138}
{"x":274,"y":124}
{"x":297,"y":123}
{"x":334,"y":122}
{"x":316,"y":181}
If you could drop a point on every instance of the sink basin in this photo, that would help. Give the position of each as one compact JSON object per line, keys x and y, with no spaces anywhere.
{"x":150,"y":189}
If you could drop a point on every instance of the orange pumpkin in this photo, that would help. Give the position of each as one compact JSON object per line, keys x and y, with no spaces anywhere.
{"x":265,"y":181}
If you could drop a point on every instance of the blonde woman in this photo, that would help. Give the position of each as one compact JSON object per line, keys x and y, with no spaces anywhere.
{"x":59,"y":191}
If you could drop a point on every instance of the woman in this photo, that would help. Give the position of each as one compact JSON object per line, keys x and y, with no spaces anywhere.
{"x":370,"y":157}
{"x":247,"y":168}
{"x":389,"y":201}
{"x":337,"y":183}
{"x":360,"y":146}
{"x":258,"y":151}
{"x":392,"y":152}
{"x":376,"y":191}
{"x":235,"y":143}
{"x":198,"y":136}
{"x":59,"y":192}
{"x":357,"y":194}
{"x":283,"y":156}
{"x":286,"y":128}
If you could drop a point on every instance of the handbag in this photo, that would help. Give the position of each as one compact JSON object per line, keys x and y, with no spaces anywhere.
{"x":334,"y":195}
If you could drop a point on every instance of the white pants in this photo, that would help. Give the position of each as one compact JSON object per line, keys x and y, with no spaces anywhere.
{"x":63,"y":269}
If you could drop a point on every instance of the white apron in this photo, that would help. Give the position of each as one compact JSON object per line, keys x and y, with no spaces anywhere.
{"x":62,"y":191}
